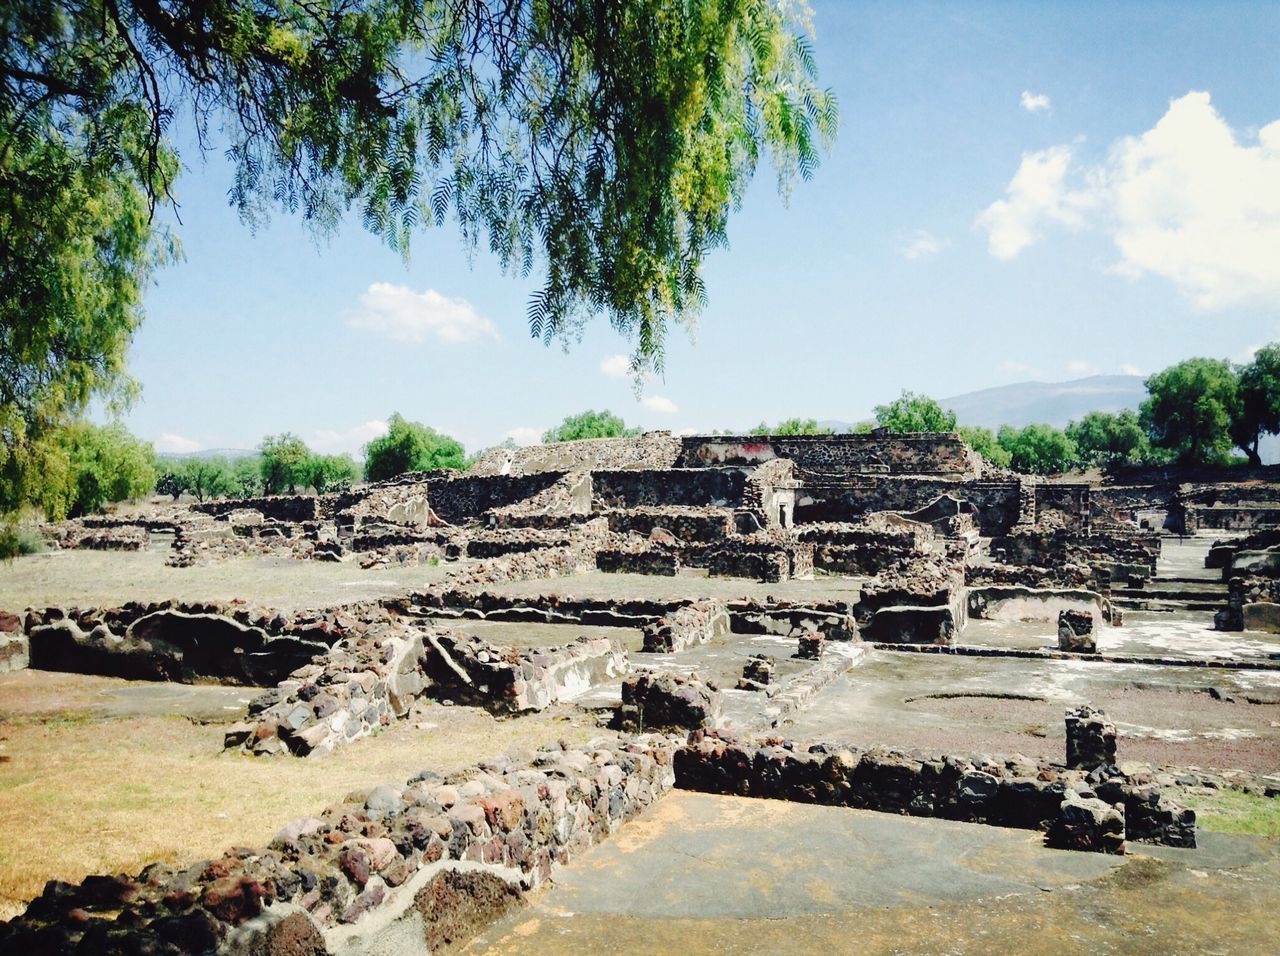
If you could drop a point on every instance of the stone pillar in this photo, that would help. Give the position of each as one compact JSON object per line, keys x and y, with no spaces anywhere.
{"x":1091,"y":738}
{"x":1075,"y":632}
{"x":811,"y":646}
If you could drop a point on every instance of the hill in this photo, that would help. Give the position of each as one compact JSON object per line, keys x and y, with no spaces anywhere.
{"x":1054,"y":403}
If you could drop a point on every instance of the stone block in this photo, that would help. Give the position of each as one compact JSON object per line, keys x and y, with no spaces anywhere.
{"x":1075,"y":632}
{"x":1091,"y":738}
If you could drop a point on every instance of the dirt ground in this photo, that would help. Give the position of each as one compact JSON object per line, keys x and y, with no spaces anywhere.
{"x":101,"y":578}
{"x":99,"y":775}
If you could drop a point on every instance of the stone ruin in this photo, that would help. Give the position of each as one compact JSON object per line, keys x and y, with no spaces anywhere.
{"x":929,"y":536}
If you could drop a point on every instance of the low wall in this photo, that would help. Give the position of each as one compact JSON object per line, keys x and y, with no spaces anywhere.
{"x":997,"y":504}
{"x":186,"y":643}
{"x":1016,"y":603}
{"x":921,"y":453}
{"x":682,"y":487}
{"x":294,"y":508}
{"x":1010,"y":792}
{"x":685,"y":627}
{"x":688,"y":525}
{"x":363,"y":865}
{"x":661,"y":562}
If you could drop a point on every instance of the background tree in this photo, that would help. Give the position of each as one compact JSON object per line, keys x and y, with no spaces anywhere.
{"x":171,"y":479}
{"x":1190,"y":408}
{"x":105,"y":464}
{"x":984,"y":442}
{"x":1037,"y":449}
{"x":915,"y":413}
{"x":1258,"y":407}
{"x":281,"y":463}
{"x":246,"y":472}
{"x":791,"y":426}
{"x":410,"y":446}
{"x":209,"y":477}
{"x":589,"y":424}
{"x":329,"y":472}
{"x":1110,"y":438}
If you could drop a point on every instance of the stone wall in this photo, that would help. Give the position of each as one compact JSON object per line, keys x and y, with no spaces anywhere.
{"x":761,"y":558}
{"x":662,"y":562}
{"x":1063,"y":505}
{"x":364,"y":864}
{"x":683,"y":487}
{"x":293,"y":508}
{"x":686,"y":627}
{"x":1010,"y":792}
{"x":669,"y":702}
{"x":1049,"y":548}
{"x":859,"y":549}
{"x":997,"y":504}
{"x":1012,"y":602}
{"x":917,"y":602}
{"x":942,"y":453}
{"x":187,"y":643}
{"x":650,"y":450}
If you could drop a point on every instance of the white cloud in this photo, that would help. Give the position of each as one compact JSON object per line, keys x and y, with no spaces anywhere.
{"x":400,"y":313}
{"x":525,"y":435}
{"x":352,"y":439}
{"x":1037,"y":193}
{"x":1188,"y":201}
{"x":659,"y":403}
{"x":175,"y":444}
{"x":1081,"y":367}
{"x":923,"y":244}
{"x":615,"y":366}
{"x":1034,"y":102}
{"x":1127,"y":369}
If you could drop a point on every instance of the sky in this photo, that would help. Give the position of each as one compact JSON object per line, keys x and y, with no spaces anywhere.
{"x":1018,"y":191}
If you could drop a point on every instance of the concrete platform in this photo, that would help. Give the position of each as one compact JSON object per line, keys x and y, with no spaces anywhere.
{"x":702,"y":874}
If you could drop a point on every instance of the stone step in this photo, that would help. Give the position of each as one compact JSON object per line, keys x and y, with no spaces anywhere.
{"x":1172,"y":594}
{"x":1135,"y":604}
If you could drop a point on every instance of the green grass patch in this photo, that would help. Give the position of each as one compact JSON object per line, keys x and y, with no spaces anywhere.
{"x":1234,"y":811}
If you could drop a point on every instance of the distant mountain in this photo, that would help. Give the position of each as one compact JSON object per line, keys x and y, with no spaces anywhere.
{"x":1054,"y":403}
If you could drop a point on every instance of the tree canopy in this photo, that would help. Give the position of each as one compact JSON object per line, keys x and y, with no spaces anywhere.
{"x":791,"y":426}
{"x":1110,"y":438}
{"x":589,"y":424}
{"x":1258,"y":406}
{"x":1037,"y":449}
{"x":1190,"y":408}
{"x":281,"y":464}
{"x":915,"y":413}
{"x":984,"y":442}
{"x":410,"y":446}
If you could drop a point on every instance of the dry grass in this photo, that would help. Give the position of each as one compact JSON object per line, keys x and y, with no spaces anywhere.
{"x":81,"y":793}
{"x":98,"y":578}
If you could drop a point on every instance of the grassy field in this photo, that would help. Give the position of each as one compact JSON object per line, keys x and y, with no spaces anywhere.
{"x":1233,"y":811}
{"x":84,"y":790}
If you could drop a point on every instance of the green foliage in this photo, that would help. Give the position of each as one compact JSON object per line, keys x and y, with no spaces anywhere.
{"x":410,"y":446}
{"x":171,"y":479}
{"x":791,"y":426}
{"x":1258,"y":410}
{"x":329,"y":472}
{"x":915,"y":413}
{"x":606,"y":140}
{"x":863,"y":427}
{"x":281,"y":464}
{"x":589,"y":424}
{"x":1037,"y":449}
{"x":246,"y":473}
{"x":1190,"y":409}
{"x":77,"y":245}
{"x":1109,"y":439}
{"x":95,"y":465}
{"x":210,"y":477}
{"x":984,"y":442}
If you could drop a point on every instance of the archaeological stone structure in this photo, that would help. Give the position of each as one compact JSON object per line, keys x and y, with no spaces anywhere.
{"x":710,"y":596}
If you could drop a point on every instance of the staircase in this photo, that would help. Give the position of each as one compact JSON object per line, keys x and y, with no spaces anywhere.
{"x":1181,"y":582}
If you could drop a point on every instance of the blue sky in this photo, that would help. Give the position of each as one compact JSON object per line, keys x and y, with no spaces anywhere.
{"x":1018,"y":191}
